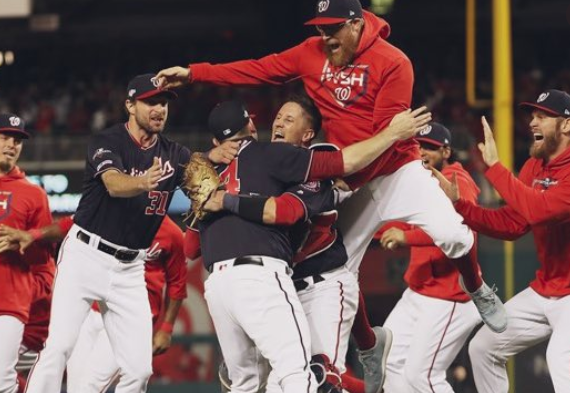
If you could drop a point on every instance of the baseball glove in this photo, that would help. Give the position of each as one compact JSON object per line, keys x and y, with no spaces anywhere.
{"x":200,"y":181}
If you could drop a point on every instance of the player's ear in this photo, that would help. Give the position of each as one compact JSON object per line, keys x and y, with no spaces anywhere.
{"x":130,"y":107}
{"x":308,"y":135}
{"x":446,"y":152}
{"x":565,"y":126}
{"x":216,"y":142}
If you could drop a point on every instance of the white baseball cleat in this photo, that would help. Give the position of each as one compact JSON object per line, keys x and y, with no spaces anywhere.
{"x":374,"y":360}
{"x":489,"y":305}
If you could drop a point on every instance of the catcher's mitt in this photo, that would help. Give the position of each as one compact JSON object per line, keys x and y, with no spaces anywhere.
{"x":200,"y":181}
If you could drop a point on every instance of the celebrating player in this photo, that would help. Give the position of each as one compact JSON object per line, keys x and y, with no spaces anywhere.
{"x":538,"y":201}
{"x":270,"y":317}
{"x":132,"y":171}
{"x":433,"y":319}
{"x":359,"y":82}
{"x":22,"y":205}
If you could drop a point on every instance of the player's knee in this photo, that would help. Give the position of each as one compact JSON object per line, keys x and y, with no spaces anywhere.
{"x":138,"y":376}
{"x":480,"y":349}
{"x":455,"y":243}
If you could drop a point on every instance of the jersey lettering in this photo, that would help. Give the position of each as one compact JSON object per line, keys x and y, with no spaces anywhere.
{"x":5,"y":199}
{"x":230,"y":179}
{"x":158,"y":201}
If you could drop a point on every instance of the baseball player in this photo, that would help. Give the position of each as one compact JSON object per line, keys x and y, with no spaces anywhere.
{"x":434,"y":318}
{"x":359,"y":82}
{"x":537,"y":201}
{"x":92,"y":366}
{"x":131,"y":173}
{"x":328,"y":292}
{"x":269,"y":318}
{"x":25,"y":206}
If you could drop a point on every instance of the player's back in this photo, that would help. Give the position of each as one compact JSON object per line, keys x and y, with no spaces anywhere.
{"x":260,"y":168}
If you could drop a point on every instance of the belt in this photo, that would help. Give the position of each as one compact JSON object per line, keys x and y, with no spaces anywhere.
{"x":123,"y":255}
{"x":303,"y":283}
{"x":247,"y":260}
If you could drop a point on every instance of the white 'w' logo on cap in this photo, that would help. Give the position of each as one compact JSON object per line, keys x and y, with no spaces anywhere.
{"x":323,"y":5}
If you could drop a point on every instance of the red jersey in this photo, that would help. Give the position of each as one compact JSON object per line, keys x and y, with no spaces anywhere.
{"x":430,"y":272}
{"x":539,"y":201}
{"x":36,"y":330}
{"x":356,"y":101}
{"x":24,"y":206}
{"x":166,"y":264}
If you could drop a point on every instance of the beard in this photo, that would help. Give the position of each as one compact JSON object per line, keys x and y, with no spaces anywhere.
{"x":344,"y":56}
{"x":549,"y":145}
{"x":145,"y":124}
{"x":5,"y":166}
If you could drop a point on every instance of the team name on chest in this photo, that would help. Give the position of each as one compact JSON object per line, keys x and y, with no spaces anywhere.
{"x":166,"y":167}
{"x":348,"y":84}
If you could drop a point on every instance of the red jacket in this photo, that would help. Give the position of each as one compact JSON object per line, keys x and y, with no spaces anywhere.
{"x":430,"y":272}
{"x":166,"y":264}
{"x":356,"y":101}
{"x":539,"y":201}
{"x":24,"y":206}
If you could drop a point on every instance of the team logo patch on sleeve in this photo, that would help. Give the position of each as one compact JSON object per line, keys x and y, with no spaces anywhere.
{"x":100,"y":152}
{"x":313,"y":186}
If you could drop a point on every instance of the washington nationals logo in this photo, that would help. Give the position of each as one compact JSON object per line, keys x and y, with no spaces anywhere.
{"x":155,"y":82}
{"x":5,"y":202}
{"x":545,"y":183}
{"x":323,"y":5}
{"x":426,"y":130}
{"x":346,"y":85}
{"x":542,"y":97}
{"x":15,"y":121}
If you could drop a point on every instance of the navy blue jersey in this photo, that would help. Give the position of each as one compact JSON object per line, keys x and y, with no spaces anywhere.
{"x":260,"y":168}
{"x":129,"y":222}
{"x":317,"y":197}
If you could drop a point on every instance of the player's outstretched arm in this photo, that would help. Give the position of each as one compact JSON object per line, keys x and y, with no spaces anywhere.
{"x":403,"y":126}
{"x":11,"y":238}
{"x":173,"y":77}
{"x":282,"y":210}
{"x":120,"y":185}
{"x":163,"y":337}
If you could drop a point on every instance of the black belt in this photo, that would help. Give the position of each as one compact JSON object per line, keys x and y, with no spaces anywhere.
{"x":301,"y":283}
{"x":124,"y":255}
{"x":247,"y":260}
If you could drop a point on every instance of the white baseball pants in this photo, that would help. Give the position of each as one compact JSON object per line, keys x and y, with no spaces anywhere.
{"x":428,"y":335}
{"x":92,"y":366}
{"x":410,"y":195}
{"x":532,"y":320}
{"x":255,"y":309}
{"x":330,"y":307}
{"x":11,"y":333}
{"x":85,"y":275}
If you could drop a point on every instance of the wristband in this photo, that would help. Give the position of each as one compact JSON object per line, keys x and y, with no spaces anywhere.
{"x":251,"y":208}
{"x":36,"y":234}
{"x":231,"y":203}
{"x":166,"y":327}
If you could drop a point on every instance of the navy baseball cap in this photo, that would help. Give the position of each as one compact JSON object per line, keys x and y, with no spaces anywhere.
{"x":14,"y":125}
{"x":331,"y":12}
{"x":146,"y":86}
{"x":553,"y":102}
{"x":435,"y":134}
{"x":227,"y":119}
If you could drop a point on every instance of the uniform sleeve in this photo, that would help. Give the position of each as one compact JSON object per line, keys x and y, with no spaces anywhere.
{"x":504,"y":223}
{"x":39,"y":252}
{"x":316,"y":197}
{"x":43,"y":279}
{"x":176,"y":270}
{"x":534,"y":205}
{"x":395,"y":93}
{"x":103,"y":155}
{"x":192,"y":248}
{"x":287,"y":163}
{"x":274,"y":69}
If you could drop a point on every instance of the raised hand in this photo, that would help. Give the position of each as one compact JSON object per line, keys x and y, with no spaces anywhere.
{"x":489,"y":148}
{"x":224,"y":153}
{"x":450,"y":188}
{"x":173,"y":77}
{"x":408,"y":123}
{"x":150,"y":180}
